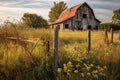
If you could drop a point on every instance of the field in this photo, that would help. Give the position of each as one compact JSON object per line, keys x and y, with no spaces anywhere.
{"x":22,"y":60}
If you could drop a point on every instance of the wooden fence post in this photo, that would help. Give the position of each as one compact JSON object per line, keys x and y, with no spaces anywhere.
{"x":56,"y":32}
{"x":106,"y":40}
{"x":89,"y":40}
{"x":111,"y":36}
{"x":119,"y":34}
{"x":47,"y":46}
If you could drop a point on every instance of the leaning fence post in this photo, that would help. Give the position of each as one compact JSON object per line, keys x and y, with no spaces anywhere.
{"x":106,"y":40}
{"x":119,"y":34}
{"x":111,"y":35}
{"x":89,"y":40}
{"x":56,"y":50}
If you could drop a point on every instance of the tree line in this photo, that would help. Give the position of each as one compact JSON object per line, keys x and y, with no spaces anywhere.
{"x":115,"y":24}
{"x":35,"y":21}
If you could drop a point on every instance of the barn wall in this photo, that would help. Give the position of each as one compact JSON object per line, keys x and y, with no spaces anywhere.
{"x":69,"y":23}
{"x":83,"y":23}
{"x":97,"y":24}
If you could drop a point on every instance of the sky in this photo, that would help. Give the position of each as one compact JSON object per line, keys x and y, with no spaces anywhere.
{"x":14,"y":9}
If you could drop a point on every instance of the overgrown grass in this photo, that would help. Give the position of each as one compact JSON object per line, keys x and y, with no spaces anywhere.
{"x":29,"y":61}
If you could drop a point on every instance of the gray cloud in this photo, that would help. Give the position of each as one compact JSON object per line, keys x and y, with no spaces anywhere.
{"x":103,"y":8}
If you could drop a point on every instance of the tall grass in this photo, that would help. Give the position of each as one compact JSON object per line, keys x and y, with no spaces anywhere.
{"x":28,"y":61}
{"x":73,"y":45}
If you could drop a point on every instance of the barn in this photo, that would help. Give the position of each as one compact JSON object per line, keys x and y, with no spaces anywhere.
{"x":79,"y":17}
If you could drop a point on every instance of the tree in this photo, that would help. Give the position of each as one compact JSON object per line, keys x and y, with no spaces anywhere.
{"x":108,"y":26}
{"x":34,"y":21}
{"x":56,"y":10}
{"x":116,"y":16}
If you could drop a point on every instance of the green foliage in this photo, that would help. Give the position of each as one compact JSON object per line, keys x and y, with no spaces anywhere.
{"x":116,"y":16}
{"x":56,"y":10}
{"x":34,"y":21}
{"x":108,"y":26}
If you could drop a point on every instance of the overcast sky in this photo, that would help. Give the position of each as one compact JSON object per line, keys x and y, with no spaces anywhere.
{"x":14,"y":9}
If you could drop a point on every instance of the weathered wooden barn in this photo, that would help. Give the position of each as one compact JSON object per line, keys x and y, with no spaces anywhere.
{"x":79,"y":17}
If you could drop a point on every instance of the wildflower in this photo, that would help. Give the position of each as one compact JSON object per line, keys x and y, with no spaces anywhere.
{"x":85,"y":64}
{"x":95,"y":72}
{"x":76,"y":71}
{"x":88,"y":74}
{"x":68,"y":74}
{"x":101,"y":69}
{"x":69,"y":70}
{"x":91,"y":65}
{"x":70,"y":64}
{"x":82,"y":74}
{"x":64,"y":65}
{"x":87,"y":68}
{"x":65,"y":69}
{"x":59,"y":70}
{"x":104,"y":67}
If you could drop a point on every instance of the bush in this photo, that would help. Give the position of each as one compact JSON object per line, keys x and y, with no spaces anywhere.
{"x":108,"y":26}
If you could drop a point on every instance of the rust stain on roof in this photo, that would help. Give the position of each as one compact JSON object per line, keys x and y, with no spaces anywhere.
{"x":67,"y":14}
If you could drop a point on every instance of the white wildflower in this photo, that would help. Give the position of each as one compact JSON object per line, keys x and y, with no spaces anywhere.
{"x":59,"y":70}
{"x":87,"y":68}
{"x":82,"y":74}
{"x":76,"y":71}
{"x":95,"y":72}
{"x":88,"y":74}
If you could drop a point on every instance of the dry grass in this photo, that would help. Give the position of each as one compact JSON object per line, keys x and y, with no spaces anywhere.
{"x":72,"y":46}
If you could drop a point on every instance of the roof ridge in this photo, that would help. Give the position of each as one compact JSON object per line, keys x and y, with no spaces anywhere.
{"x":68,"y":13}
{"x":78,"y":5}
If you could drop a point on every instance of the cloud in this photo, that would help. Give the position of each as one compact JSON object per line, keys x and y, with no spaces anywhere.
{"x":104,"y":17}
{"x":16,"y":8}
{"x":16,"y":13}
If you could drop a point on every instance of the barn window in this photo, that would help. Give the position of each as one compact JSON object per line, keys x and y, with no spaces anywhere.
{"x":96,"y":27}
{"x":89,"y":27}
{"x":77,"y":16}
{"x":84,"y":15}
{"x":66,"y":26}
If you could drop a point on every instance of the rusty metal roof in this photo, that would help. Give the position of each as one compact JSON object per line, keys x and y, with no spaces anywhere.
{"x":69,"y":13}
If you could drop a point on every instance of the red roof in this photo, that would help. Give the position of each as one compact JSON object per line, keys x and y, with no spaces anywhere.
{"x":69,"y":13}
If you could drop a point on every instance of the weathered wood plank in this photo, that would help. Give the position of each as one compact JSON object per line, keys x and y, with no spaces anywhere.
{"x":119,"y":35}
{"x":112,"y":35}
{"x":31,"y":40}
{"x":56,"y":50}
{"x":106,"y":40}
{"x":89,"y":40}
